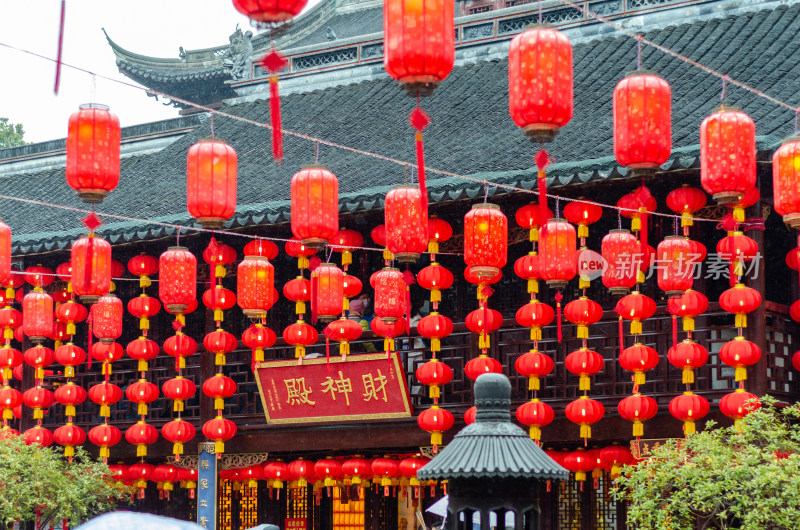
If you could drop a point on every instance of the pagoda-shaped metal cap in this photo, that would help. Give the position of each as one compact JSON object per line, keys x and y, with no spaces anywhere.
{"x":492,"y":447}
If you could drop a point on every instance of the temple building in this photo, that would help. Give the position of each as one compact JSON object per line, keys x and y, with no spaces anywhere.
{"x":335,"y":89}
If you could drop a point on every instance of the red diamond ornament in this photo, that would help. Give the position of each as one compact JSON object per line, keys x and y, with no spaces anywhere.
{"x":274,"y":62}
{"x":91,"y":222}
{"x":419,"y":119}
{"x":542,"y":159}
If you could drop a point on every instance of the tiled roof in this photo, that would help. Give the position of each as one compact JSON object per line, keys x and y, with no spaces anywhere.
{"x":345,"y":26}
{"x":471,"y":132}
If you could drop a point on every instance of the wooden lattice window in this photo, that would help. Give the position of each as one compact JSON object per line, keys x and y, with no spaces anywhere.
{"x":479,"y":9}
{"x":348,"y":512}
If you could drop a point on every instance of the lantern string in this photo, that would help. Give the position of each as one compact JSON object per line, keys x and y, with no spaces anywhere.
{"x":639,"y":52}
{"x":485,"y":191}
{"x":211,"y":123}
{"x":316,"y":151}
{"x":619,"y":219}
{"x":724,"y":87}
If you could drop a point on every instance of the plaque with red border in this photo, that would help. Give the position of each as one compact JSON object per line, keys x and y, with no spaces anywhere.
{"x":362,"y":387}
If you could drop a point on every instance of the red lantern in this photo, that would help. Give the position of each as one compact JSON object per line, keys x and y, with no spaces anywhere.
{"x":435,"y":278}
{"x":300,"y":335}
{"x":258,"y":337}
{"x":642,"y":121}
{"x":535,"y":414}
{"x":351,"y":286}
{"x":5,"y":254}
{"x":689,"y":305}
{"x":302,"y":471}
{"x":356,"y":469}
{"x":261,"y":247}
{"x":107,"y":318}
{"x":419,"y":49}
{"x":534,"y":365}
{"x":474,"y":279}
{"x":390,"y":294}
{"x":435,"y":420}
{"x":482,"y":365}
{"x":143,"y":350}
{"x":558,"y":258}
{"x":408,"y":468}
{"x":583,"y":312}
{"x":91,"y":267}
{"x":327,"y":280}
{"x":727,"y":154}
{"x":139,"y":473}
{"x":583,"y":213}
{"x":38,"y":435}
{"x":435,"y":327}
{"x":179,"y":389}
{"x":530,"y":217}
{"x":106,"y":351}
{"x":785,"y":178}
{"x":219,"y":387}
{"x":254,"y":283}
{"x":740,"y":300}
{"x":406,"y":217}
{"x":37,"y":398}
{"x":739,"y":404}
{"x":635,"y":307}
{"x":178,"y":432}
{"x":534,"y":315}
{"x":676,"y":270}
{"x":621,"y":251}
{"x":584,"y":363}
{"x":9,"y":359}
{"x":220,"y":343}
{"x":638,"y":359}
{"x":527,"y":268}
{"x":439,"y":230}
{"x":211,"y":182}
{"x":637,"y":409}
{"x":615,"y":457}
{"x":738,"y":249}
{"x":69,"y":436}
{"x":276,"y":473}
{"x":580,"y":462}
{"x":269,"y":11}
{"x":740,"y":353}
{"x":585,"y":412}
{"x":144,"y":308}
{"x":37,"y":315}
{"x":329,"y":470}
{"x":180,"y":346}
{"x":434,"y":374}
{"x":143,"y":266}
{"x":105,"y":394}
{"x":469,"y":415}
{"x":485,"y":240}
{"x":687,"y":356}
{"x":93,"y":144}
{"x":10,"y":398}
{"x":388,"y":331}
{"x":298,"y":290}
{"x":345,"y":242}
{"x":165,"y":475}
{"x":540,"y":81}
{"x":344,"y":331}
{"x":142,"y":392}
{"x":141,"y":435}
{"x":70,"y":356}
{"x":686,"y":201}
{"x":70,"y":395}
{"x":315,"y":205}
{"x":105,"y":436}
{"x":689,"y":407}
{"x":177,"y":286}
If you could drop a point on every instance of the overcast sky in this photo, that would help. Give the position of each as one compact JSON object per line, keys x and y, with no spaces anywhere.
{"x":149,"y":27}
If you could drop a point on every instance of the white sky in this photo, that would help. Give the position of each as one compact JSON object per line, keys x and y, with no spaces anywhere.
{"x":148,"y":27}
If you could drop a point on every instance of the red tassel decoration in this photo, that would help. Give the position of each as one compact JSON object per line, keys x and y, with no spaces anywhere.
{"x":542,"y":159}
{"x":274,"y":62}
{"x":60,"y":45}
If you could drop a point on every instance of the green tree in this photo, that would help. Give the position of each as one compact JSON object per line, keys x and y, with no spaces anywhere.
{"x":34,"y":478}
{"x":10,"y":134}
{"x":745,"y":477}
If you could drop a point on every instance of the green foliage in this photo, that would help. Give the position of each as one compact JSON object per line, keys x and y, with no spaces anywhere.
{"x":745,"y":478}
{"x":10,"y":134}
{"x":34,"y":477}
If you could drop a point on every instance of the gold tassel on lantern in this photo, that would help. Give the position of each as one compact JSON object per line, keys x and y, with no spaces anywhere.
{"x":533,"y":383}
{"x":299,"y":351}
{"x":688,"y":376}
{"x":536,"y":433}
{"x":70,"y":330}
{"x":69,"y":410}
{"x":584,"y":383}
{"x":105,"y":411}
{"x":69,"y":371}
{"x":142,"y":365}
{"x":688,"y":427}
{"x":387,"y":255}
{"x":141,"y":410}
{"x":436,"y":345}
{"x":686,"y":219}
{"x":347,"y":257}
{"x":302,"y":262}
{"x":344,"y":348}
{"x":436,"y":295}
{"x":219,"y":315}
{"x":741,"y":320}
{"x":688,"y":323}
{"x":105,"y":452}
{"x":346,"y":304}
{"x":141,"y":450}
{"x":219,"y":403}
{"x":636,"y":327}
{"x":433,"y":392}
{"x":38,"y":414}
{"x":219,"y":271}
{"x":69,"y":451}
{"x":534,"y":234}
{"x":388,"y":344}
{"x":583,"y":332}
{"x":144,"y":323}
{"x":219,"y":447}
{"x":583,"y":231}
{"x":8,"y":373}
{"x":258,"y":355}
{"x":8,"y":414}
{"x":583,"y":282}
{"x":639,"y":378}
{"x":636,"y":224}
{"x":533,"y":286}
{"x":740,"y":374}
{"x":738,"y":215}
{"x":580,"y":476}
{"x":586,"y":432}
{"x":436,"y":438}
{"x":738,"y":268}
{"x":638,"y":429}
{"x":219,"y":359}
{"x":180,"y":319}
{"x":536,"y":333}
{"x":433,"y":246}
{"x":177,"y":405}
{"x":144,"y":282}
{"x":299,"y":308}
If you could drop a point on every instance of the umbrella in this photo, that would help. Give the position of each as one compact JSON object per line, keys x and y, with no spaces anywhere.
{"x":123,"y":520}
{"x":440,"y":508}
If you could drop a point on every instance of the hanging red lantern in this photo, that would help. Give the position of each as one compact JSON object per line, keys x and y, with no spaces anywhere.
{"x":220,"y":343}
{"x":676,"y":270}
{"x":327,"y":281}
{"x":139,"y":473}
{"x":388,"y":331}
{"x":739,"y":404}
{"x":298,"y":290}
{"x":585,"y":412}
{"x":685,"y":201}
{"x":474,"y":279}
{"x":345,"y":242}
{"x":390,"y":294}
{"x":356,"y":469}
{"x":583,"y":213}
{"x":9,"y":359}
{"x":329,"y":470}
{"x":105,"y":436}
{"x":637,"y":409}
{"x":406,"y":218}
{"x":261,"y":247}
{"x":738,"y":249}
{"x":38,"y":435}
{"x":435,"y":327}
{"x":439,"y":231}
{"x":179,"y":389}
{"x":527,"y":268}
{"x":434,"y":374}
{"x":540,"y":81}
{"x":687,"y":356}
{"x":178,"y":432}
{"x":144,"y":308}
{"x":254,"y":283}
{"x":165,"y":475}
{"x":558,"y":257}
{"x":258,"y":338}
{"x":106,"y":351}
{"x":93,"y":146}
{"x":727,"y":154}
{"x":469,"y":415}
{"x":689,"y":305}
{"x":351,"y":286}
{"x":785,"y":178}
{"x":91,"y":267}
{"x":642,"y":120}
{"x":142,"y":350}
{"x":435,"y":278}
{"x":531,"y":216}
{"x":177,"y":286}
{"x":220,"y":255}
{"x":739,"y":354}
{"x":70,"y":356}
{"x":211,"y":182}
{"x":344,"y":331}
{"x":143,"y":266}
{"x":535,"y":414}
{"x":38,"y":399}
{"x":142,"y":392}
{"x":70,"y":312}
{"x":37,"y":315}
{"x":180,"y":346}
{"x":107,"y":318}
{"x":269,"y":11}
{"x":638,"y":359}
{"x":435,"y":420}
{"x":10,"y":398}
{"x":583,"y":312}
{"x":39,"y":357}
{"x":689,"y":407}
{"x":219,"y":387}
{"x":105,"y":394}
{"x":408,"y":468}
{"x":5,"y":254}
{"x":315,"y":205}
{"x":480,"y":365}
{"x":615,"y":457}
{"x":620,"y":250}
{"x":69,"y":395}
{"x":419,"y":49}
{"x":740,"y":300}
{"x":141,"y":435}
{"x":69,"y":436}
{"x":635,"y":307}
{"x":534,"y":365}
{"x":301,"y":471}
{"x":300,"y":335}
{"x":534,"y":315}
{"x":485,"y":240}
{"x":584,"y":363}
